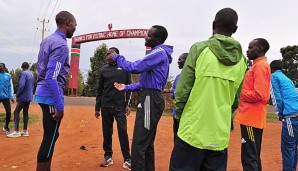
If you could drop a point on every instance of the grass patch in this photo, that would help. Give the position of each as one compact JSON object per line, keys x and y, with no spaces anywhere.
{"x":271,"y":117}
{"x":33,"y":118}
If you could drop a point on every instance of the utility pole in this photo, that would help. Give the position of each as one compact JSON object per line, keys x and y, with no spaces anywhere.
{"x":43,"y":27}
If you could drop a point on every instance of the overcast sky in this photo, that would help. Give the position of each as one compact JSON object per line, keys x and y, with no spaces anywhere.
{"x":187,"y":22}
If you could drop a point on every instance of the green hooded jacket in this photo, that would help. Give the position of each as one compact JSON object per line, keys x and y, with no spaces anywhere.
{"x":205,"y":93}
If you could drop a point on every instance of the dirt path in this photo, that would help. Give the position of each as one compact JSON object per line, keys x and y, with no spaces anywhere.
{"x":79,"y":127}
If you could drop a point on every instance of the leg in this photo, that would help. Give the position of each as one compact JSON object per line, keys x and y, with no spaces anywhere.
{"x":249,"y":153}
{"x":26,"y":115}
{"x":7,"y":106}
{"x":215,"y":161}
{"x":16,"y":112}
{"x":185,"y":157}
{"x":50,"y":136}
{"x":107,"y":128}
{"x":122,"y":133}
{"x":150,"y":108}
{"x":156,"y":108}
{"x":258,"y":134}
{"x":175,"y":128}
{"x":289,"y":144}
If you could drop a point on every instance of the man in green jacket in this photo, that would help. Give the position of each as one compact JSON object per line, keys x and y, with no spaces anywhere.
{"x":205,"y":93}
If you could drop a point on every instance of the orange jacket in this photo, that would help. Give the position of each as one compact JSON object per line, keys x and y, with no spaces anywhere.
{"x":255,"y":95}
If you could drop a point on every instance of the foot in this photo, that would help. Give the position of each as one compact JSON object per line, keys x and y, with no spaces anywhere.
{"x":127,"y":164}
{"x":107,"y":161}
{"x":7,"y":130}
{"x":25,"y":134}
{"x":14,"y":134}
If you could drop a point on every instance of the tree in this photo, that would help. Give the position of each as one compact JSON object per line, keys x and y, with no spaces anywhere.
{"x":96,"y":62}
{"x":169,"y":102}
{"x":15,"y":75}
{"x":33,"y":70}
{"x":290,"y":61}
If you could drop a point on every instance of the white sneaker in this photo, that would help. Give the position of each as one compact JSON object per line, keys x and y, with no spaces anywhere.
{"x":25,"y":133}
{"x":14,"y":134}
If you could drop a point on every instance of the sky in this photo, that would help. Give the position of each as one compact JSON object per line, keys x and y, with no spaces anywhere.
{"x":187,"y":22}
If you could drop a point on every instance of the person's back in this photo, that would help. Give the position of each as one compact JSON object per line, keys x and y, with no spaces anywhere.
{"x":285,"y":100}
{"x":287,"y":95}
{"x":6,"y":91}
{"x":217,"y":80}
{"x":205,"y":93}
{"x":25,"y":91}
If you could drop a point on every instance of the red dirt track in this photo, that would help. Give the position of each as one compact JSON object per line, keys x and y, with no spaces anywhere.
{"x":80,"y":127}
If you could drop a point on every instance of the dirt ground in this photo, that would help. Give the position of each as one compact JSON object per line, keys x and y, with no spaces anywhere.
{"x":80,"y":128}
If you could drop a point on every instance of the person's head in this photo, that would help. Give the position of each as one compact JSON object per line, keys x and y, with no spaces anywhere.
{"x":225,"y":22}
{"x":275,"y":65}
{"x":257,"y":48}
{"x":25,"y":66}
{"x":2,"y":67}
{"x":156,"y":35}
{"x":181,"y":60}
{"x":111,"y":50}
{"x":66,"y":23}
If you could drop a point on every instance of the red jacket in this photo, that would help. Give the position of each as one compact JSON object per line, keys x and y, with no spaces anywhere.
{"x":255,"y":95}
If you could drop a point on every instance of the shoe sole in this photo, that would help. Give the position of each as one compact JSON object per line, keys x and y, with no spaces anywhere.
{"x":13,"y":136}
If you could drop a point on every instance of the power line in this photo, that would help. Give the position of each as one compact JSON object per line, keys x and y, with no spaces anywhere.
{"x":46,"y":9}
{"x":48,"y":28}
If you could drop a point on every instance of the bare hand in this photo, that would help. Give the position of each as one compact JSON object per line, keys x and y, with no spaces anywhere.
{"x":58,"y":116}
{"x":127,"y":110}
{"x":12,"y":100}
{"x":97,"y":114}
{"x":119,"y":86}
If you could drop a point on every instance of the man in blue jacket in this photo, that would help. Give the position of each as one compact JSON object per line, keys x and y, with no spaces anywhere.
{"x":6,"y":94}
{"x":52,"y":70}
{"x":285,"y":100}
{"x":154,"y":72}
{"x":23,"y":98}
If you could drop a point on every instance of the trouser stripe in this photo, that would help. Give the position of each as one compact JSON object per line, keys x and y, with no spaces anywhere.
{"x":147,"y":113}
{"x":290,"y":128}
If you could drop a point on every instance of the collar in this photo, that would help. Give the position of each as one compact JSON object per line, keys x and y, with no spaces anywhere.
{"x":259,"y":59}
{"x":60,"y":33}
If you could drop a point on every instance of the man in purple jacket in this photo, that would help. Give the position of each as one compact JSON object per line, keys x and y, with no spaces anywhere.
{"x":181,"y":61}
{"x":23,"y":98}
{"x":52,"y":70}
{"x":154,"y":72}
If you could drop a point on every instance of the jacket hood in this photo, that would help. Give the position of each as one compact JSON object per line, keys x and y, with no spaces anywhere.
{"x":169,"y":51}
{"x":227,"y":50}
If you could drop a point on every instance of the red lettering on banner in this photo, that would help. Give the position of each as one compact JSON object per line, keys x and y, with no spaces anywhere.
{"x":115,"y":34}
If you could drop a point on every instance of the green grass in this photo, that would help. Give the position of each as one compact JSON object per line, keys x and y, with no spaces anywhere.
{"x":33,"y":118}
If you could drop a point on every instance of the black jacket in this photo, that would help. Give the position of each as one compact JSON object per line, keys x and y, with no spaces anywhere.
{"x":107,"y":94}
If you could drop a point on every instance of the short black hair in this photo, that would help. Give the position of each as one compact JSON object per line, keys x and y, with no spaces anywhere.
{"x":185,"y":55}
{"x":2,"y":64}
{"x":62,"y":17}
{"x":263,"y":43}
{"x":115,"y":49}
{"x":161,"y":32}
{"x":276,"y":65}
{"x":226,"y":19}
{"x":25,"y":65}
